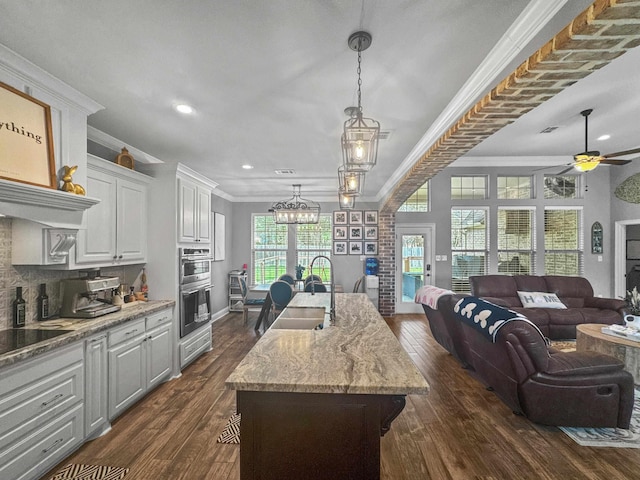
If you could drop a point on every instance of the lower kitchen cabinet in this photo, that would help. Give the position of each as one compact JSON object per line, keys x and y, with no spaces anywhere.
{"x":140,"y":357}
{"x":96,"y":375}
{"x":41,"y":412}
{"x":194,"y":345}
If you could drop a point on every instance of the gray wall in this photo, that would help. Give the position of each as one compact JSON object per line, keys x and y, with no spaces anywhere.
{"x":596,"y":203}
{"x":348,"y":268}
{"x":220,"y":269}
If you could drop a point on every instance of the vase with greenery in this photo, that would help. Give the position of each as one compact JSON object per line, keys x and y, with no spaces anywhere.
{"x":299,"y":270}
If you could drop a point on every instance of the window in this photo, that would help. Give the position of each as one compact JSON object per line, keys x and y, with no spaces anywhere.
{"x":516,"y":252}
{"x":514,"y":188}
{"x":563,"y":241}
{"x":561,"y":186}
{"x":469,"y":246}
{"x":269,"y":249}
{"x":313,"y":240}
{"x":418,"y":201}
{"x":468,"y":187}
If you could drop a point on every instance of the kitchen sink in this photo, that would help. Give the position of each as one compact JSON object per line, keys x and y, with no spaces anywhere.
{"x":300,"y":318}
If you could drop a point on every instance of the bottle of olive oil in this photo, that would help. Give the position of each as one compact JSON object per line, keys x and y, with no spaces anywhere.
{"x":19,"y":309}
{"x":43,"y":303}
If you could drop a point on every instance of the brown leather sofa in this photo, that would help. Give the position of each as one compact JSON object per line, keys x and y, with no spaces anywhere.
{"x":572,"y":389}
{"x":575,"y":292}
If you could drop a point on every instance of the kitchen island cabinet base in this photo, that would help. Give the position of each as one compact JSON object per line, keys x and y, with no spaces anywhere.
{"x":313,"y":435}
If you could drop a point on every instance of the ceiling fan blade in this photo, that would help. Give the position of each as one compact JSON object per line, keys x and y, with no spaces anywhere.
{"x":623,"y":153}
{"x":549,"y":167}
{"x":565,"y":170}
{"x":615,"y":161}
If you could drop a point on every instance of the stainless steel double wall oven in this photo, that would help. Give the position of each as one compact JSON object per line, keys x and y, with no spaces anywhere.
{"x":195,"y":288}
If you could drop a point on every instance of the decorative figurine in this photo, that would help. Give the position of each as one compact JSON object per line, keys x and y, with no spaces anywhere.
{"x":68,"y":185}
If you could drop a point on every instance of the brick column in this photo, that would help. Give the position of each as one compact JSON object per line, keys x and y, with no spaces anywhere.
{"x":387,"y":257}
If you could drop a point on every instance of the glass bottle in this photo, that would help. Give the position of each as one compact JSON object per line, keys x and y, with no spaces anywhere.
{"x":19,"y":309}
{"x":43,"y":303}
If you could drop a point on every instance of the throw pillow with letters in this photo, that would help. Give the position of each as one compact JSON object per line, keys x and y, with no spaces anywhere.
{"x":540,"y":300}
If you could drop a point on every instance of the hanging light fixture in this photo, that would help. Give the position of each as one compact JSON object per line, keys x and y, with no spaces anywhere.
{"x":360,"y":136}
{"x":347,"y":202}
{"x":296,"y":209}
{"x":351,"y":183}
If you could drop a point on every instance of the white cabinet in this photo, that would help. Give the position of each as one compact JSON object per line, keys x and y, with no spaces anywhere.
{"x":140,"y":358}
{"x":194,"y":212}
{"x":96,"y":375}
{"x":41,"y":412}
{"x":116,"y":232}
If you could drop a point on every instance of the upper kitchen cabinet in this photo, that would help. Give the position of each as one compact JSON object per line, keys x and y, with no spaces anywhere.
{"x":116,"y":232}
{"x":194,"y":211}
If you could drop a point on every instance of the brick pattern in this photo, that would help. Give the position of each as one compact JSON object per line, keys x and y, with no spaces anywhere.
{"x":387,"y":255}
{"x":603,"y":32}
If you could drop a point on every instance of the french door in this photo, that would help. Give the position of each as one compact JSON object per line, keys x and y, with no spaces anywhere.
{"x":414,"y":251}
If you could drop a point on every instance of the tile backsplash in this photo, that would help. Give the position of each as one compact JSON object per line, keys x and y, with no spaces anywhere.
{"x":30,"y":278}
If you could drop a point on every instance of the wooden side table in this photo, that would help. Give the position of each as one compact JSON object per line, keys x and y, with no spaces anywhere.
{"x":589,"y":337}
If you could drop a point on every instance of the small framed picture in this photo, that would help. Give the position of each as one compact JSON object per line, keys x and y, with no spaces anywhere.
{"x":355,"y":248}
{"x":340,"y":233}
{"x":370,"y":232}
{"x":370,"y":217}
{"x":340,"y":217}
{"x":355,"y":217}
{"x":340,"y":248}
{"x":355,"y":233}
{"x":370,"y":248}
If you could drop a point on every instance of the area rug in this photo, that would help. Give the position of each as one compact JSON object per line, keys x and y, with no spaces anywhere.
{"x":564,"y":345}
{"x":90,"y":472}
{"x":231,"y":432}
{"x":610,"y":437}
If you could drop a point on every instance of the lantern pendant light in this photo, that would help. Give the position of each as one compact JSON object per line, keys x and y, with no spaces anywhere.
{"x":360,"y":134}
{"x":347,"y":202}
{"x":351,"y":183}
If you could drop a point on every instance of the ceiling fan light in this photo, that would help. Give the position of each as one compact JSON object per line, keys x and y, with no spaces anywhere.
{"x":586,"y":165}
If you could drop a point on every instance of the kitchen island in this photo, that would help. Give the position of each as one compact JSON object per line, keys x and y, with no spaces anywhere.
{"x":314,"y":403}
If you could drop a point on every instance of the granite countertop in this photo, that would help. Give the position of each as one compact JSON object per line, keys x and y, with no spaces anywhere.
{"x":81,"y":328}
{"x":358,"y":355}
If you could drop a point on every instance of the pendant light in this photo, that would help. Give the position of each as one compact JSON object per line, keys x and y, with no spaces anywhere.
{"x":347,"y":202}
{"x":360,"y":134}
{"x":351,"y":183}
{"x":296,"y":209}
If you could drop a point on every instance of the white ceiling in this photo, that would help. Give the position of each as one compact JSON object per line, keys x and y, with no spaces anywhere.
{"x":270,"y":79}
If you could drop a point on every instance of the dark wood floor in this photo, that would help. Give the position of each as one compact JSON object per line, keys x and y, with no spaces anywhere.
{"x":458,"y":431}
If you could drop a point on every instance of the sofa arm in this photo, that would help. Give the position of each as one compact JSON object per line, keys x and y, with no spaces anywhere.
{"x":501,"y":302}
{"x":582,"y":363}
{"x":605,"y":303}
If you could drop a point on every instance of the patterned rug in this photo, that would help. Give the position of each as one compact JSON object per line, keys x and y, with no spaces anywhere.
{"x":90,"y":472}
{"x":231,"y":432}
{"x":610,"y":437}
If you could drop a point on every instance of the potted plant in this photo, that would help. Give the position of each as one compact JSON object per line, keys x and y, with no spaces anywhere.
{"x":632,"y":319}
{"x":299,"y":270}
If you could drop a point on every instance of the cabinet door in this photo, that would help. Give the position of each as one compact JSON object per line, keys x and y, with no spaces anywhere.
{"x":132,"y":221}
{"x":159,"y":360}
{"x":204,"y":215}
{"x":127,"y":375}
{"x":97,"y":243}
{"x":188,"y":196}
{"x":96,"y":400}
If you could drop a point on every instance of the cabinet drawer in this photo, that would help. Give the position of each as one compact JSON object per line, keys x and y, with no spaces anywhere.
{"x":193,"y":347}
{"x":35,"y":454}
{"x":159,"y":318}
{"x":127,"y":332}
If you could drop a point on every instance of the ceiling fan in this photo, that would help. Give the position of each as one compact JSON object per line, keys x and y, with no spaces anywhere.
{"x":588,"y":160}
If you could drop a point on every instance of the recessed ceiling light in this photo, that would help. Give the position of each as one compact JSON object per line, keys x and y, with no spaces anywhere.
{"x":184,"y":108}
{"x":247,"y":166}
{"x":604,"y":137}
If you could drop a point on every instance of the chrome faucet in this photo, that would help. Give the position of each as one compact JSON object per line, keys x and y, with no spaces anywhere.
{"x":332,"y":311}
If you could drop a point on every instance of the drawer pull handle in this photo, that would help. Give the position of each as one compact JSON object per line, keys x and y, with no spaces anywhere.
{"x":46,"y":450}
{"x":44,"y":404}
{"x":99,"y":339}
{"x":132,"y":332}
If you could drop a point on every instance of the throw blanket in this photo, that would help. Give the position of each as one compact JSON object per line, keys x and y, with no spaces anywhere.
{"x":486,"y":317}
{"x":429,"y":295}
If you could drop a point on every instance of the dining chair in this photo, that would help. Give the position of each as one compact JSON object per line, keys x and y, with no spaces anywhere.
{"x":312,"y":278}
{"x":315,"y":287}
{"x":254,"y":304}
{"x":281,"y":293}
{"x":287,"y":278}
{"x":358,"y":284}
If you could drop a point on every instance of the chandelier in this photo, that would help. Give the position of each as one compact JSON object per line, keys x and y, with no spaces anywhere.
{"x":296,"y":209}
{"x":360,"y":136}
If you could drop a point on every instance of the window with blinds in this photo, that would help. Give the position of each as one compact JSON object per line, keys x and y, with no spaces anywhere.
{"x":516,"y":241}
{"x":563,"y":241}
{"x":469,"y":246}
{"x":418,"y":201}
{"x":313,"y":240}
{"x":268,"y":249}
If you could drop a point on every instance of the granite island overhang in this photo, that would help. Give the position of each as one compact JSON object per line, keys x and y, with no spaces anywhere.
{"x":314,"y":403}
